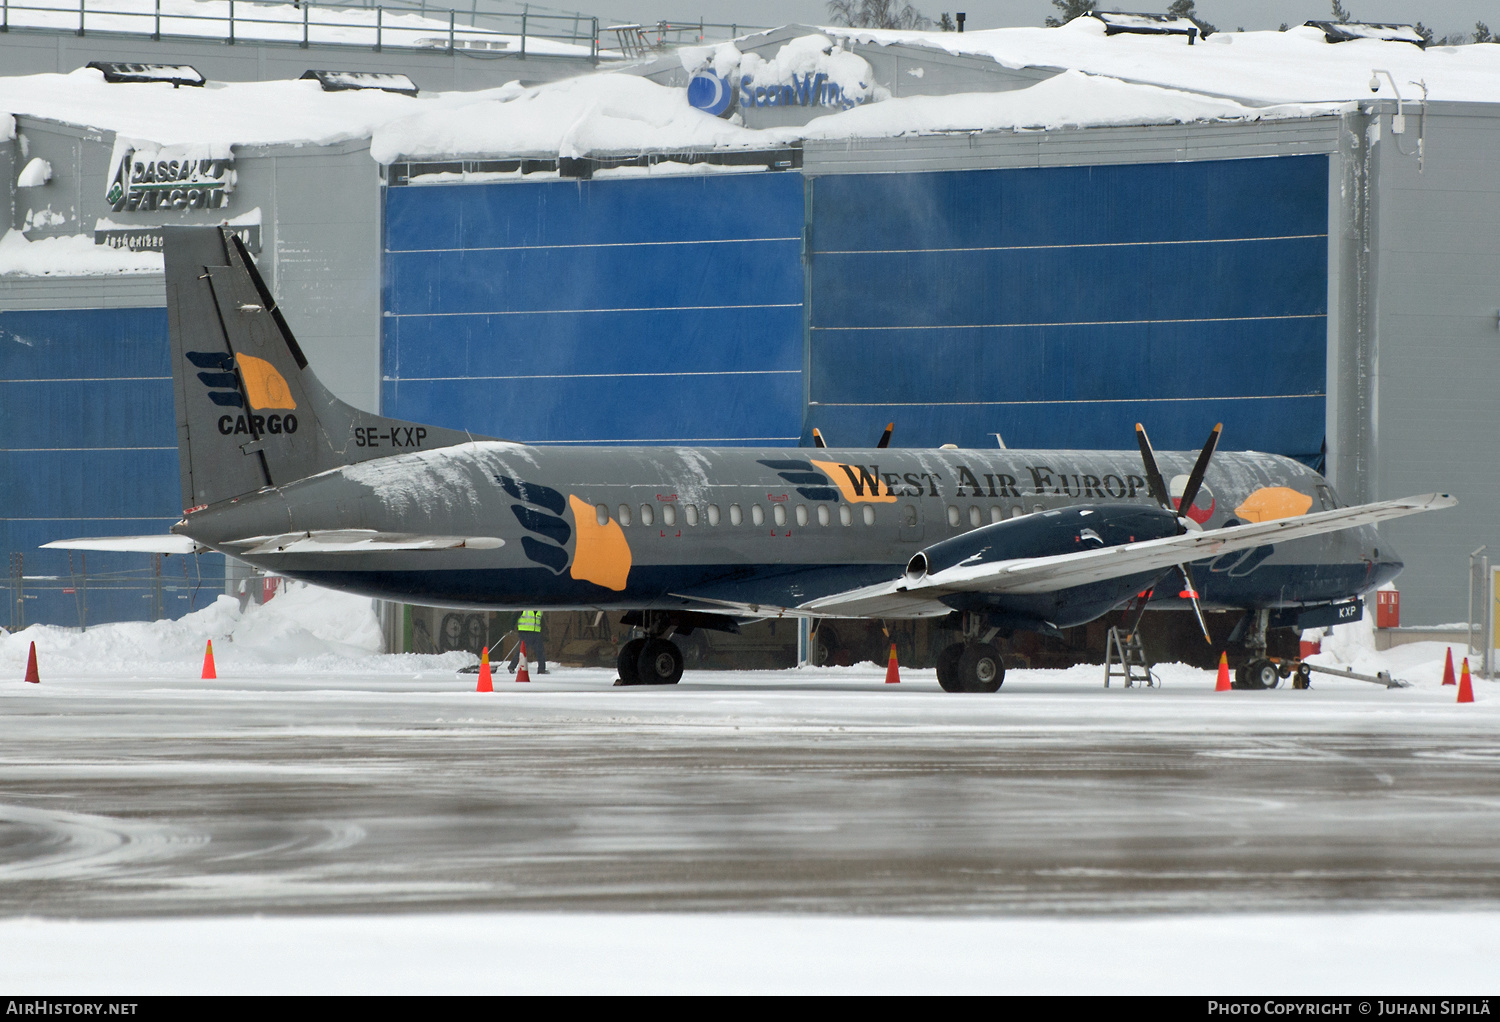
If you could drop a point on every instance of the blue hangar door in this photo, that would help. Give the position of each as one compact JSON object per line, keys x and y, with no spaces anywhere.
{"x":606,"y":311}
{"x":1059,"y":306}
{"x":91,"y":450}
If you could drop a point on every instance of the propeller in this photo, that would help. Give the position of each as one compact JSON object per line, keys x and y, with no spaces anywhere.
{"x":1163,"y":496}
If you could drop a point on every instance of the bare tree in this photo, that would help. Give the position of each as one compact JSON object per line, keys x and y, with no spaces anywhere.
{"x":876,"y":14}
{"x":1070,"y":9}
{"x":1341,"y":13}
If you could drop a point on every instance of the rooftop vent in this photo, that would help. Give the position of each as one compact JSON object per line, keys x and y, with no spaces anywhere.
{"x":117,"y":71}
{"x":1146,"y":24}
{"x":1344,"y":31}
{"x":348,"y":81}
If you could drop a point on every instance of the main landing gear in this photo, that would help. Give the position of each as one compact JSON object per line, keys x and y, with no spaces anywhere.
{"x":973,"y":665}
{"x":1261,"y":671}
{"x":654,"y":659}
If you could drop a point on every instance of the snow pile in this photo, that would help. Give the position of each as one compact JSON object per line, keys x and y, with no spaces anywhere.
{"x":1420,"y":664}
{"x":1069,"y":100}
{"x":808,"y":57}
{"x":35,"y":174}
{"x":1296,"y":66}
{"x":224,"y":113}
{"x":617,"y":112}
{"x":303,"y":628}
{"x":72,"y":256}
{"x":597,"y":113}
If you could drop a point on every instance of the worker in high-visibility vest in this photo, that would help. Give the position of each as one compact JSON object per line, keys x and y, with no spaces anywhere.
{"x":530,"y":628}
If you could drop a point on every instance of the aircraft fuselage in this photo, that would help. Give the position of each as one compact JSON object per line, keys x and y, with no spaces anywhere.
{"x":676,"y":527}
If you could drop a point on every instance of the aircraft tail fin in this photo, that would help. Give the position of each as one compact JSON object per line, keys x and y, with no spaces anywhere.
{"x":250,"y":413}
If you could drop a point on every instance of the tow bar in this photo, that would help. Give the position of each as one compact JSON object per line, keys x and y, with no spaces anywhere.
{"x":1301,"y":669}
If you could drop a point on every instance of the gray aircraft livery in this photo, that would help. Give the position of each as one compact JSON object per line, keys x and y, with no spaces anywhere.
{"x":279,"y":473}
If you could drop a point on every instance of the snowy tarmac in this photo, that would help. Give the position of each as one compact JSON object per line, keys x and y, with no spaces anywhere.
{"x":321,"y":819}
{"x":814,"y":790}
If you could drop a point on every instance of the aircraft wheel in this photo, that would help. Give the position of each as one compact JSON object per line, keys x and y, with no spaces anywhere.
{"x":630,"y":655}
{"x":660,"y":663}
{"x":824,"y":641}
{"x":947,"y":667}
{"x":980,"y":668}
{"x":1261,"y":673}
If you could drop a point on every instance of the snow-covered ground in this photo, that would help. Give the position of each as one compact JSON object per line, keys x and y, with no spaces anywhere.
{"x":777,"y":831}
{"x":1361,"y":954}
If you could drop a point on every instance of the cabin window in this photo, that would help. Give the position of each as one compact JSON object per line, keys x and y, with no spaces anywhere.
{"x":713,"y":514}
{"x":1036,"y":509}
{"x":624,"y":514}
{"x":953,"y":515}
{"x":690,"y":512}
{"x":909,"y":517}
{"x":601,"y":514}
{"x":736,"y":516}
{"x":869,"y":515}
{"x":823,"y":516}
{"x":668,"y":515}
{"x":778,"y":514}
{"x":996,"y":515}
{"x":846,"y":515}
{"x":648,"y":515}
{"x":975,"y":517}
{"x":757,"y":515}
{"x":801,"y":514}
{"x":1017,"y":511}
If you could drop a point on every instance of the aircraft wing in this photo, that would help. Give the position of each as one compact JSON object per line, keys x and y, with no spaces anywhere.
{"x":167,"y":544}
{"x":908,"y":597}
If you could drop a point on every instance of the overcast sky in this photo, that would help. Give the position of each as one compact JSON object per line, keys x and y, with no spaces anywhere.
{"x":1442,"y":17}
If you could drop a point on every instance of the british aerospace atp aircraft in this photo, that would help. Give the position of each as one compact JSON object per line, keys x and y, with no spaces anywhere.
{"x":278,"y":472}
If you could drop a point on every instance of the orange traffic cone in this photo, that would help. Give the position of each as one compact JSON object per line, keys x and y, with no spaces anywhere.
{"x":1223,"y":683}
{"x":892,"y":673}
{"x":1465,"y":686}
{"x":31,"y":674}
{"x":1448,"y":669}
{"x":486,"y":682}
{"x":524,"y":672}
{"x":208,"y":662}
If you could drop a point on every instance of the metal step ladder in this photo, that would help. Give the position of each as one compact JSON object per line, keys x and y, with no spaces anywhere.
{"x":1124,"y":656}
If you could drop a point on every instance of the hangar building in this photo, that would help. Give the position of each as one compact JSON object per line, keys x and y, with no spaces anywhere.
{"x":1045,"y":234}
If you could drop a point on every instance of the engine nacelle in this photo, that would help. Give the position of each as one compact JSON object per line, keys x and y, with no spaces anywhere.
{"x":1047,"y":533}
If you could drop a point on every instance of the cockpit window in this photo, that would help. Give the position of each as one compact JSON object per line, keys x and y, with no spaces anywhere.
{"x":1327,"y":497}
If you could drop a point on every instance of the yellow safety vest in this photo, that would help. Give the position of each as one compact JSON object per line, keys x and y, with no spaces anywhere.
{"x":531,"y":621}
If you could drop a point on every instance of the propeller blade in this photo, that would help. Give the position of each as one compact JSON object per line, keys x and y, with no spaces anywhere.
{"x":885,"y":438}
{"x":818,"y":440}
{"x":1195,"y":481}
{"x":1153,"y":474}
{"x":1192,"y":594}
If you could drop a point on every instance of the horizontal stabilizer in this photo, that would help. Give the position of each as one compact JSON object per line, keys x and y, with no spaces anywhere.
{"x":128,"y":544}
{"x":359,"y":541}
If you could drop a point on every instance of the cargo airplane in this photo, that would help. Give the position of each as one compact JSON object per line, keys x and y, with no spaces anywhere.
{"x":278,"y":472}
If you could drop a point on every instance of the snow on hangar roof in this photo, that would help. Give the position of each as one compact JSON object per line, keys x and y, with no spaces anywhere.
{"x":1106,"y":80}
